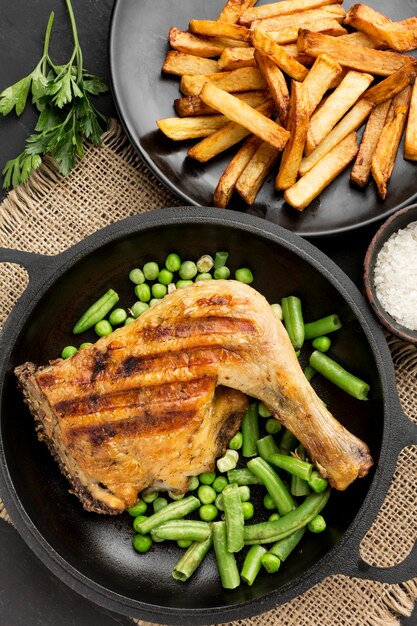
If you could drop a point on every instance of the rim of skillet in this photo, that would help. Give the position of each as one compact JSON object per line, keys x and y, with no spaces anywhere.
{"x":59,"y":264}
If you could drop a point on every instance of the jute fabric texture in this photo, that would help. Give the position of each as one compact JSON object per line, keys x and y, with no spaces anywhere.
{"x":50,"y":213}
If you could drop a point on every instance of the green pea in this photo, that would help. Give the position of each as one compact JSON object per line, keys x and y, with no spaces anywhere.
{"x":139,"y":508}
{"x":207,"y":478}
{"x":151,"y":270}
{"x":143,"y":292}
{"x":272,"y":426}
{"x":220,"y":483}
{"x":208,"y":512}
{"x":68,"y":352}
{"x":248,"y":510}
{"x":165,"y":277}
{"x":159,"y":290}
{"x":184,"y":543}
{"x":138,"y":308}
{"x":117,"y":317}
{"x":142,"y":543}
{"x":150,"y":497}
{"x":103,"y":328}
{"x":183,"y":283}
{"x":244,"y":275}
{"x":206,"y":494}
{"x":193,"y":483}
{"x":86,"y":344}
{"x":274,"y":517}
{"x":173,"y":262}
{"x":137,"y":521}
{"x":322,"y":343}
{"x":269,"y":503}
{"x":137,"y":276}
{"x":129,"y":320}
{"x":317,"y":524}
{"x":222,"y":273}
{"x":188,"y":270}
{"x":159,"y":504}
{"x":236,"y":442}
{"x":263,"y":410}
{"x":203,"y":276}
{"x":154,"y":301}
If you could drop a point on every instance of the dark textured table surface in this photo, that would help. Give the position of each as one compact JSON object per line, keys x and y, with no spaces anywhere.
{"x":29,"y":594}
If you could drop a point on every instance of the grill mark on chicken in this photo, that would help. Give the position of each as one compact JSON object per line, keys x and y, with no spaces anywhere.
{"x":199,"y":326}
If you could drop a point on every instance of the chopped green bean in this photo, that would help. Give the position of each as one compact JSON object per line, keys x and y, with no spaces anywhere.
{"x":250,"y":431}
{"x":159,"y":504}
{"x":208,"y":512}
{"x":174,"y":510}
{"x":96,"y":312}
{"x":234,"y":517}
{"x":334,"y":372}
{"x":173,"y":262}
{"x":277,"y":309}
{"x":137,"y":276}
{"x":293,"y":320}
{"x":288,"y":442}
{"x":252,"y":564}
{"x":248,"y":510}
{"x":299,"y":487}
{"x":274,"y":485}
{"x":138,"y":308}
{"x":272,"y":426}
{"x":322,"y":343}
{"x":309,"y":372}
{"x":283,"y":548}
{"x":317,"y":524}
{"x":188,"y":270}
{"x":221,"y":273}
{"x":190,"y":561}
{"x":236,"y":442}
{"x":228,"y":461}
{"x":220,"y":259}
{"x":323,"y":326}
{"x":226,"y":563}
{"x":243,"y":477}
{"x":103,"y":328}
{"x":139,"y":508}
{"x":207,"y":478}
{"x":68,"y":352}
{"x":270,"y":562}
{"x":159,"y":290}
{"x":244,"y":275}
{"x":165,"y":277}
{"x":117,"y":317}
{"x":263,"y":410}
{"x":205,"y":263}
{"x":182,"y":529}
{"x":293,"y":466}
{"x":206,"y":494}
{"x":244,"y":494}
{"x":142,"y":543}
{"x":317,"y":483}
{"x":151,"y":270}
{"x":267,"y":446}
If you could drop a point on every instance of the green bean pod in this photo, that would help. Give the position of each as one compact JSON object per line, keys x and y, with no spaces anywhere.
{"x":232,"y":505}
{"x":190,"y":561}
{"x":270,"y":532}
{"x":293,"y":466}
{"x":267,"y":446}
{"x":174,"y":510}
{"x":282,"y":549}
{"x":226,"y":562}
{"x":334,"y":372}
{"x":243,"y":477}
{"x":96,"y":312}
{"x":182,"y":529}
{"x":252,"y":564}
{"x":293,"y":320}
{"x":274,"y":485}
{"x":323,"y":326}
{"x":250,"y":431}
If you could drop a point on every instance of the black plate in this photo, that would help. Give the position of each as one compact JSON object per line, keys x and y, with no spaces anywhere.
{"x":138,"y":44}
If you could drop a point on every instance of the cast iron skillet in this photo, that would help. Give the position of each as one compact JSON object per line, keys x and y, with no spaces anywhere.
{"x":93,"y":553}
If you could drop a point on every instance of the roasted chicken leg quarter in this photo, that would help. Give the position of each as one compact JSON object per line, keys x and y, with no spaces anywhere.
{"x":142,"y":408}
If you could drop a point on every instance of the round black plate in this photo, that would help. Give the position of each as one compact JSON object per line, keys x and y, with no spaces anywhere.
{"x":138,"y":44}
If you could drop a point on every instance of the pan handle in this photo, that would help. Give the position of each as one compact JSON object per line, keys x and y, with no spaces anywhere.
{"x":34,"y":263}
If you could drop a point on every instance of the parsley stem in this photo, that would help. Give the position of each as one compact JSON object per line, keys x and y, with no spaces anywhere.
{"x":76,"y":42}
{"x":47,"y":40}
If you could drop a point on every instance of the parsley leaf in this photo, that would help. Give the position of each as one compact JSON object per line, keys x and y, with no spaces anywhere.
{"x":15,"y":96}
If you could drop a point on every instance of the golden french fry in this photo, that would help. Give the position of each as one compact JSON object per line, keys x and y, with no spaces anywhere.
{"x":276,"y":82}
{"x":322,"y":174}
{"x":181,"y":63}
{"x":190,"y":106}
{"x":278,"y":54}
{"x":337,"y":104}
{"x":209,"y":28}
{"x":228,"y":179}
{"x":191,"y":44}
{"x":361,"y":170}
{"x":410,"y":22}
{"x":256,"y":171}
{"x":393,"y":85}
{"x":233,"y":9}
{"x":302,"y":19}
{"x":286,"y":7}
{"x":322,"y":76}
{"x":180,"y":128}
{"x":410,"y":149}
{"x":234,"y":58}
{"x":242,"y":79}
{"x":303,"y":58}
{"x":350,"y":123}
{"x":290,"y":35}
{"x":225,"y":138}
{"x":383,"y":160}
{"x":297,"y":126}
{"x":358,"y":38}
{"x":373,"y":23}
{"x":382,"y":63}
{"x":243,"y":114}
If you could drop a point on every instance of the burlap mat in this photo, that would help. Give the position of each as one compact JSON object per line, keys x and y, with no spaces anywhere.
{"x":49,"y":213}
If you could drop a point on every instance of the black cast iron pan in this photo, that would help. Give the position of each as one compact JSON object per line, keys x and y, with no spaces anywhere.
{"x":93,"y":553}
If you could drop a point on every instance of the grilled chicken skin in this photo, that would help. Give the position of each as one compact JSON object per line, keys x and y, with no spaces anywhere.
{"x":140,"y":407}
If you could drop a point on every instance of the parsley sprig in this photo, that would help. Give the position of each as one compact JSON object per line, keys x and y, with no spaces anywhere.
{"x":67,"y":117}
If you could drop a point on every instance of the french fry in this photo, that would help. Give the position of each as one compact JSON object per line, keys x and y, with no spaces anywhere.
{"x":320,"y":78}
{"x":303,"y":58}
{"x":385,"y":154}
{"x":350,"y":123}
{"x":256,"y":171}
{"x":297,"y":126}
{"x":361,"y":170}
{"x":411,"y":22}
{"x":228,"y":179}
{"x":286,"y":7}
{"x":190,"y":106}
{"x":322,"y":174}
{"x":233,"y":9}
{"x":373,"y":23}
{"x":362,"y":39}
{"x":290,"y":35}
{"x":181,"y":63}
{"x":191,"y":44}
{"x":337,"y":104}
{"x":225,"y":138}
{"x":299,"y":20}
{"x":243,"y":79}
{"x":393,"y":85}
{"x":180,"y":128}
{"x":209,"y":28}
{"x":276,"y":82}
{"x":243,"y":114}
{"x":278,"y":54}
{"x":382,"y":63}
{"x":234,"y":58}
{"x":410,"y":149}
